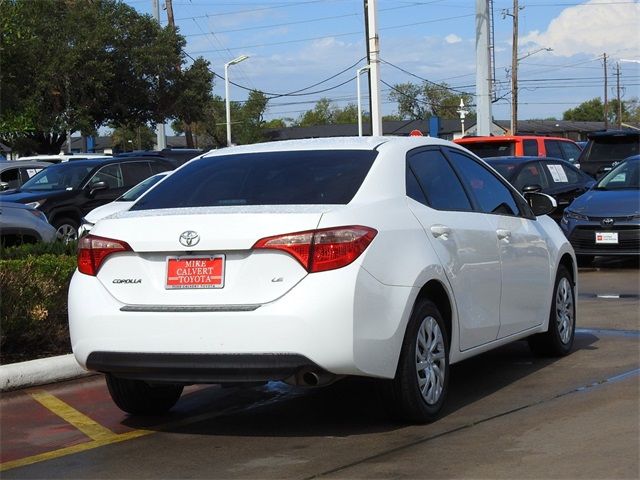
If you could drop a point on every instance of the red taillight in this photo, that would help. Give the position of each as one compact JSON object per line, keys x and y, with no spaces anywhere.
{"x":321,"y":250}
{"x":93,"y":250}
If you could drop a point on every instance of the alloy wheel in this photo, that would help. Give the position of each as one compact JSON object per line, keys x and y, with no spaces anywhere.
{"x":564,"y":310}
{"x":430,"y":361}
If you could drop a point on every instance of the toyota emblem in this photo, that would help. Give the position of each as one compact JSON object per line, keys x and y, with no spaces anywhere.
{"x":607,"y":222}
{"x":189,"y":238}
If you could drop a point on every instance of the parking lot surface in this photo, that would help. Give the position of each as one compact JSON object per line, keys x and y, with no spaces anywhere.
{"x":509,"y":415}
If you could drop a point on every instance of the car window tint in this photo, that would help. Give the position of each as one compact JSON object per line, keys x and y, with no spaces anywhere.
{"x":413,"y":187}
{"x":571,"y":151}
{"x":612,"y":148}
{"x":135,"y":172}
{"x":530,"y":174}
{"x":553,"y":149}
{"x":267,"y":178}
{"x":530,"y":148}
{"x":490,"y":193}
{"x":110,"y":174}
{"x":11,"y":177}
{"x":491,"y":149}
{"x":439,"y":181}
{"x":158,"y":167}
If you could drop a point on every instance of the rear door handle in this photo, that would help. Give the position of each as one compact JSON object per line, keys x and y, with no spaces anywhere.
{"x":440,"y":231}
{"x":503,"y":234}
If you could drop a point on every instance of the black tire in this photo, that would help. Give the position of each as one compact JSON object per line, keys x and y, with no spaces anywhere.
{"x":403,"y":394}
{"x":557,"y":341}
{"x":139,"y":398}
{"x":66,"y":229}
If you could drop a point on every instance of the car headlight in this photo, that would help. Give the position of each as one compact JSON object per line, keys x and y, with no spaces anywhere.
{"x":574,"y":215}
{"x":35,"y":204}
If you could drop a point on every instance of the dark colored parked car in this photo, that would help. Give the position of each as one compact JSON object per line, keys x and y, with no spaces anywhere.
{"x":13,"y":174}
{"x":606,"y":219}
{"x":177,"y":156}
{"x":555,"y":177}
{"x":67,"y":191}
{"x":606,"y":149}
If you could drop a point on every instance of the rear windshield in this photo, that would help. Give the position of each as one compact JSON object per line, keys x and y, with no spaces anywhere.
{"x":491,"y":149}
{"x":604,"y":149}
{"x":269,"y":178}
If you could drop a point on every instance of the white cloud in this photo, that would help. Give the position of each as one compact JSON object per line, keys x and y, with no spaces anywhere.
{"x":593,"y":28}
{"x":452,"y":38}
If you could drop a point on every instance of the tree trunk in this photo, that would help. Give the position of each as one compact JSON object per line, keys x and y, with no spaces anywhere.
{"x":188,"y":134}
{"x":48,"y":143}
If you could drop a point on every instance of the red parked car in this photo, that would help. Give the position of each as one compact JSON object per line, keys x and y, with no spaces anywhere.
{"x":522,"y":146}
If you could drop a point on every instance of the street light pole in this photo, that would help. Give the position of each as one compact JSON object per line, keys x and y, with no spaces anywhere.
{"x":239,"y":59}
{"x":358,"y":73}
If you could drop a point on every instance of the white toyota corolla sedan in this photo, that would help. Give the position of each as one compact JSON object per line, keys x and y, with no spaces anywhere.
{"x":305,"y":261}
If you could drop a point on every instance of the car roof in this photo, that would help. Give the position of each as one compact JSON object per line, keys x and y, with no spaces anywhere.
{"x":508,"y":138}
{"x":329,"y":143}
{"x":514,"y":159}
{"x":614,"y":133}
{"x":96,"y":162}
{"x":23,"y":164}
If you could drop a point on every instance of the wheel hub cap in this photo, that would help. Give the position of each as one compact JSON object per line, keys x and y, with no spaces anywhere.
{"x":430,"y":360}
{"x":564,"y":310}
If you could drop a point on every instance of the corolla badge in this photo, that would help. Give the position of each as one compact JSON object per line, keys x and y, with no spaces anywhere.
{"x":607,"y":222}
{"x":189,"y":238}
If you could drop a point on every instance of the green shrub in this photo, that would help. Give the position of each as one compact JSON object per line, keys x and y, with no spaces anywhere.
{"x":39,"y":248}
{"x":34,"y":282}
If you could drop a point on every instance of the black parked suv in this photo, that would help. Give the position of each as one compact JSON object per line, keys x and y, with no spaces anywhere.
{"x":67,"y":191}
{"x":606,"y":149}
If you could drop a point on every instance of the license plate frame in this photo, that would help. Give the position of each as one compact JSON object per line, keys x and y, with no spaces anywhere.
{"x":196,"y":278}
{"x":606,"y":238}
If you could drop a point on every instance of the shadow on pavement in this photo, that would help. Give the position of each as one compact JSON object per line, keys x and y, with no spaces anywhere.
{"x":348,"y":407}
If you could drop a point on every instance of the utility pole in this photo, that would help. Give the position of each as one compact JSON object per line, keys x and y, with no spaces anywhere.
{"x":606,"y":101}
{"x":618,"y":94}
{"x":373,"y":42}
{"x":161,"y":137}
{"x":514,"y":71}
{"x":170,"y":19}
{"x":484,"y":80}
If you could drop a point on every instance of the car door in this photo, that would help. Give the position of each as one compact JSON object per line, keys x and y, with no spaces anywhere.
{"x":463,"y":240}
{"x":110,"y":174}
{"x":524,"y":253}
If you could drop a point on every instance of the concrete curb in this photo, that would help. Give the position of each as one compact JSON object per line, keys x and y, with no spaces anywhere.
{"x":40,"y":372}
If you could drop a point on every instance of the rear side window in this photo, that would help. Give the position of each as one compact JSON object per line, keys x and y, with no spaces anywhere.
{"x":530,"y":148}
{"x":491,"y":149}
{"x":608,"y":149}
{"x":135,"y":172}
{"x":438,"y":181}
{"x":268,"y":178}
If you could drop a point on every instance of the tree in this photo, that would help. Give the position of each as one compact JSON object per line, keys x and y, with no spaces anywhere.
{"x":78,"y":65}
{"x":133,"y":137}
{"x":324,"y":113}
{"x":419,"y":102}
{"x":593,"y":111}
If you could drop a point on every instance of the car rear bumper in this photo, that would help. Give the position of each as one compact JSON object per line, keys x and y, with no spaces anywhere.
{"x":343,"y":322}
{"x":200,"y":368}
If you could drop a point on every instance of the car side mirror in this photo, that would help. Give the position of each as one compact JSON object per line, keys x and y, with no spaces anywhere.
{"x":97,"y":186}
{"x":531,"y":188}
{"x":540,"y":203}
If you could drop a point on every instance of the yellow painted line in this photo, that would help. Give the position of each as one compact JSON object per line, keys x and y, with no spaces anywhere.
{"x":82,"y":447}
{"x":86,"y":425}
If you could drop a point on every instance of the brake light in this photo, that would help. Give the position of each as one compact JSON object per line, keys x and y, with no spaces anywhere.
{"x":324,"y":249}
{"x":93,"y":250}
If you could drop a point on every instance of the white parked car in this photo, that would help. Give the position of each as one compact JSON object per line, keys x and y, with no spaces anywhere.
{"x":120,"y":204}
{"x":304,"y":261}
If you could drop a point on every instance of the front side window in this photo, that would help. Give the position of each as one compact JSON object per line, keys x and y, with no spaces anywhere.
{"x":553,"y":149}
{"x":438,"y":181}
{"x":267,"y":178}
{"x":530,"y":174}
{"x":571,"y":151}
{"x":110,"y":174}
{"x":490,"y":193}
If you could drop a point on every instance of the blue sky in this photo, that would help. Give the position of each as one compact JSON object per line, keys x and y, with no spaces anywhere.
{"x":293,"y":44}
